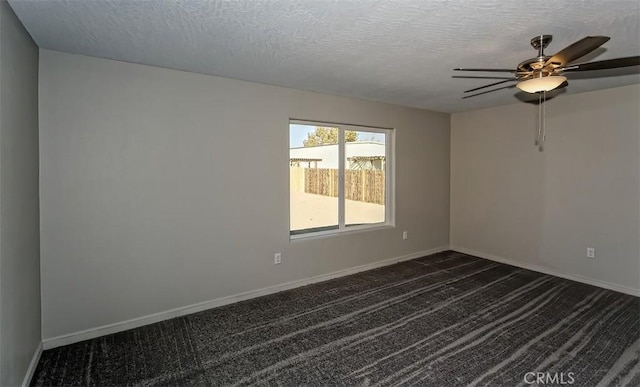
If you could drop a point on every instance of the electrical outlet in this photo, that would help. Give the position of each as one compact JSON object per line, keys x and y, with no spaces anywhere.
{"x":591,"y":252}
{"x":277,"y":258}
{"x":405,"y":235}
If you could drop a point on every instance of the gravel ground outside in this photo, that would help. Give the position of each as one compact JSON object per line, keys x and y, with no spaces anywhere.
{"x":310,"y":211}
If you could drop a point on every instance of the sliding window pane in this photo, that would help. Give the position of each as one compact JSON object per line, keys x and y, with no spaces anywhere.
{"x":313,"y":178}
{"x":365,"y":157}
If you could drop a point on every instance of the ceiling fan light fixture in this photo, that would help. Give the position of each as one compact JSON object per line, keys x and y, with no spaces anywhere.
{"x":537,"y":85}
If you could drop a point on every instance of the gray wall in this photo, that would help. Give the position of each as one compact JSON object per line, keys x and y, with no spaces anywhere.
{"x":19,"y":217}
{"x":545,"y":208}
{"x":161,"y":188}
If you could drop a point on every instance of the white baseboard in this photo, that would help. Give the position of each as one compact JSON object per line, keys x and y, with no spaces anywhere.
{"x":166,"y":315}
{"x":546,"y":270}
{"x":32,"y":366}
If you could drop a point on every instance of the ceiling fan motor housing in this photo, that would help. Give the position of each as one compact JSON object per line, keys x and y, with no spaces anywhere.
{"x":536,"y":66}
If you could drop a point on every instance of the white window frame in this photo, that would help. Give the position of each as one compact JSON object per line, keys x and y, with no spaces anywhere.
{"x":389,"y":171}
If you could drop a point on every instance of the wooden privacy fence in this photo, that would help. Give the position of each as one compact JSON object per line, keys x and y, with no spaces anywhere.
{"x":360,"y":185}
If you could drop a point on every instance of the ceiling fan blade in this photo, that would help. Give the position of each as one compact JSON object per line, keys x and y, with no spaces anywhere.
{"x":491,"y":84}
{"x":489,"y":91}
{"x":577,"y":50}
{"x":604,"y":64}
{"x":478,"y":77}
{"x":486,"y":70}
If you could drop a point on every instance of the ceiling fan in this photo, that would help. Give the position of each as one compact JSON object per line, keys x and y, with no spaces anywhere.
{"x":545,"y":73}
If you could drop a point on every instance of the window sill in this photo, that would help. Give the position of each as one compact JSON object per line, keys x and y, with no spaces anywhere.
{"x":345,"y":231}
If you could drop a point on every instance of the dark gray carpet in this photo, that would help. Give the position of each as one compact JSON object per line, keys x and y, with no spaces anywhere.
{"x":444,"y":320}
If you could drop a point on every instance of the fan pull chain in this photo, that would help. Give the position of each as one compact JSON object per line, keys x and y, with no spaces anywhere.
{"x":544,"y":119}
{"x":541,"y":134}
{"x":539,"y":128}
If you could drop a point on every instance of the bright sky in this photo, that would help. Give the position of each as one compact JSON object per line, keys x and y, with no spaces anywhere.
{"x":298,"y":133}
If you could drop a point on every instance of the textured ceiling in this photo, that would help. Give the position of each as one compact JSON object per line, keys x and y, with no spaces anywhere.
{"x":400,"y":51}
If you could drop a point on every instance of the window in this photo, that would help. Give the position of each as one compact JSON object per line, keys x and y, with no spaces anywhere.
{"x":339,"y":178}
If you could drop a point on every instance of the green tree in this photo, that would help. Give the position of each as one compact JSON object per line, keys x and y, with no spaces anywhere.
{"x":324,"y":135}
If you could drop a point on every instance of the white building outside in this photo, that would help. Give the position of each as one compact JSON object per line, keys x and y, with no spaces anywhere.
{"x":360,"y":155}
